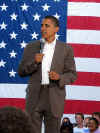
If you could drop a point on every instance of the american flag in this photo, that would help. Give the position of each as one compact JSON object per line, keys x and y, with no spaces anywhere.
{"x":20,"y":22}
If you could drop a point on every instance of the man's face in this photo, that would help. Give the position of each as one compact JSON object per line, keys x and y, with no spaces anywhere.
{"x":78,"y":119}
{"x":48,"y":29}
{"x":92,"y":125}
{"x":86,"y":121}
{"x":97,"y":117}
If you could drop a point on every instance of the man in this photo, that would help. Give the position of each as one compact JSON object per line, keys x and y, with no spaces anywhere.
{"x":79,"y":117}
{"x":93,"y":125}
{"x":97,"y":116}
{"x":51,"y":66}
{"x":86,"y":121}
{"x":14,"y":120}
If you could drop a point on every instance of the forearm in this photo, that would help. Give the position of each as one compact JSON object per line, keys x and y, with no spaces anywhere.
{"x":26,"y":69}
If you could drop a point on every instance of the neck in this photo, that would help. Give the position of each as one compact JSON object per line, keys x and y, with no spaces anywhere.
{"x":80,"y":125}
{"x":92,"y":131}
{"x":50,"y":39}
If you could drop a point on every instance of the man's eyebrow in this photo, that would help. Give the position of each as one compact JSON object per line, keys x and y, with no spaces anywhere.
{"x":45,"y":24}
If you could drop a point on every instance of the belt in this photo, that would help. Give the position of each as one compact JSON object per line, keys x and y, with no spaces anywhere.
{"x":44,"y":86}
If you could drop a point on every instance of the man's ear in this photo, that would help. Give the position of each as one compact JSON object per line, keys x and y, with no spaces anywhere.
{"x":57,"y":29}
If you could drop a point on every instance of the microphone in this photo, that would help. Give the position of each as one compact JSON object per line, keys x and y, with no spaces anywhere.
{"x":42,"y":42}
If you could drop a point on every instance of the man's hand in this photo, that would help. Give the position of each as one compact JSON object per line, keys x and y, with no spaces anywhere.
{"x":54,"y":76}
{"x":38,"y":58}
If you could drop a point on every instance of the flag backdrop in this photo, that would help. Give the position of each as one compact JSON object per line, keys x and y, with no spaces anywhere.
{"x":20,"y":22}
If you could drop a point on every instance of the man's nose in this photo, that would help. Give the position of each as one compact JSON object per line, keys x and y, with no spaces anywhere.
{"x":43,"y":28}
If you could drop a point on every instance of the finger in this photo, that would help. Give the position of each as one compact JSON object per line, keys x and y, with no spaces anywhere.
{"x":51,"y":72}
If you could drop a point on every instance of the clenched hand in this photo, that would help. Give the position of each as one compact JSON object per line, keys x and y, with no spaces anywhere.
{"x":38,"y":58}
{"x":54,"y":76}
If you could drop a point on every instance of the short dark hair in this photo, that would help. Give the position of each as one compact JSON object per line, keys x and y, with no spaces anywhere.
{"x":14,"y":120}
{"x":66,"y":126}
{"x":54,"y":19}
{"x":81,"y":114}
{"x":96,"y":121}
{"x":67,"y":119}
{"x":96,"y":113}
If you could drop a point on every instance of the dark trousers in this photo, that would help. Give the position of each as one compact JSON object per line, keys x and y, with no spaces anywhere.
{"x":43,"y":113}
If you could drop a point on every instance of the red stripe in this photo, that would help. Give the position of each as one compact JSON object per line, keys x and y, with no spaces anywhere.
{"x":71,"y":106}
{"x":88,"y":79}
{"x":83,"y":22}
{"x":86,"y":50}
{"x":98,"y":1}
{"x":18,"y":102}
{"x":84,"y":106}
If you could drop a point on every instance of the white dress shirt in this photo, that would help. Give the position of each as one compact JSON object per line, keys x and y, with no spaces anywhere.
{"x":48,"y":52}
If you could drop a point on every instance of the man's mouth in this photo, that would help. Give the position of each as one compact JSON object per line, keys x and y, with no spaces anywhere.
{"x":43,"y":33}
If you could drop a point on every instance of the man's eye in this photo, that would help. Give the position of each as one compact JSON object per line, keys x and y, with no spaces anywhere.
{"x":47,"y":25}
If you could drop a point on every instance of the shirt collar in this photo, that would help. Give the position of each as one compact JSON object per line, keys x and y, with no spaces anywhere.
{"x":52,"y":43}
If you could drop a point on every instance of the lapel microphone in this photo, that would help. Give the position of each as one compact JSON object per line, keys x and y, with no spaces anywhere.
{"x":42,"y":42}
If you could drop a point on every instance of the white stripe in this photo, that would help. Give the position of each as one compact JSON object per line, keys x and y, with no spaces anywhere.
{"x":72,"y":92}
{"x":83,"y":36}
{"x":91,"y":93}
{"x":83,"y":9}
{"x":12,"y":90}
{"x":72,"y":117}
{"x":88,"y":64}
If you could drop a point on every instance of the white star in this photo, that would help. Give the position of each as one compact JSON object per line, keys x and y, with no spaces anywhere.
{"x":57,"y":0}
{"x":36,"y":17}
{"x":13,"y":35}
{"x":3,"y":26}
{"x":45,"y":7}
{"x":57,"y":36}
{"x":23,"y":44}
{"x":2,"y":63}
{"x":12,"y":73}
{"x":2,"y":44}
{"x":57,"y":16}
{"x":24,"y":26}
{"x":24,"y":7}
{"x":35,"y":0}
{"x":13,"y":54}
{"x":34,"y":35}
{"x":3,"y":7}
{"x":13,"y":16}
{"x":14,"y":0}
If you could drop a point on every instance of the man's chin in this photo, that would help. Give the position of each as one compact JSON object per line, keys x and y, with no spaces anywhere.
{"x":45,"y":38}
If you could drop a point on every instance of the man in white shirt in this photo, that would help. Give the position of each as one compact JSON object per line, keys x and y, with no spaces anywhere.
{"x":79,"y":117}
{"x":51,"y":66}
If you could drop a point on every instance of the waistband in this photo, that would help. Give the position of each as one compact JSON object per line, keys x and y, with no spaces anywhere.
{"x":44,"y":86}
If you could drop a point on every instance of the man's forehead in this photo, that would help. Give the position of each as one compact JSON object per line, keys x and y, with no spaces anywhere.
{"x":47,"y":21}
